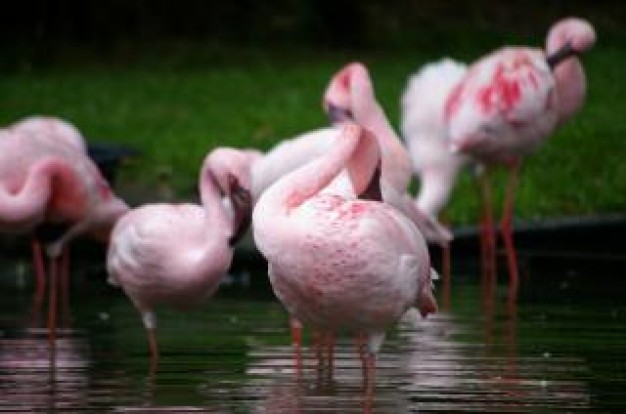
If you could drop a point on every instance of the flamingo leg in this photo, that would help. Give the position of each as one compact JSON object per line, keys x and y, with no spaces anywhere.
{"x":52,"y":301}
{"x":506,"y":225}
{"x":65,"y":278}
{"x":40,"y":277}
{"x":369,"y":380}
{"x":487,"y":228}
{"x":154,"y":349}
{"x":296,"y":340}
{"x":374,"y":343}
{"x":149,"y":322}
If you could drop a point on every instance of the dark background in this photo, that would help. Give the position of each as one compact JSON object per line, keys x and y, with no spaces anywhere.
{"x":40,"y":32}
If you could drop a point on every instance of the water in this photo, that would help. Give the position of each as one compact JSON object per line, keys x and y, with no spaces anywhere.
{"x":559,"y":346}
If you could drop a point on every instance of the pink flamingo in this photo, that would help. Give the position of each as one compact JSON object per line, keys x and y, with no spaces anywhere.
{"x":61,"y":132}
{"x":340,"y":263}
{"x":349,"y":95}
{"x":176,"y":254}
{"x":44,"y":181}
{"x":512,"y":100}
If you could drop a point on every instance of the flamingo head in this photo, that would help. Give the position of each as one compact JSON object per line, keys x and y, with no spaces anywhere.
{"x":225,"y":161}
{"x":337,"y":101}
{"x":569,"y":37}
{"x":241,"y":200}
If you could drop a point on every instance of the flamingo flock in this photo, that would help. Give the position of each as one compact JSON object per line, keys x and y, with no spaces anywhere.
{"x":330,"y":210}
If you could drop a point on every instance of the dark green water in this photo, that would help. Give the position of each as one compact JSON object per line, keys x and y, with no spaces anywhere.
{"x":559,"y":346}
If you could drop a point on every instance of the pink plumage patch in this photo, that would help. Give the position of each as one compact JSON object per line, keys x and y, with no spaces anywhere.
{"x":503,"y":92}
{"x":453,"y":102}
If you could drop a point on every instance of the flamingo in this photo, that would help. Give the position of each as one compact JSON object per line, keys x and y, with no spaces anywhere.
{"x":176,"y":254}
{"x":509,"y":102}
{"x":349,"y":95}
{"x":59,"y":131}
{"x":44,"y":181}
{"x":337,"y":262}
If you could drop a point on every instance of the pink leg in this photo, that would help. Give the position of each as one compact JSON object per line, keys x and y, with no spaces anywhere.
{"x":154,"y":349}
{"x":65,"y":281}
{"x":370,"y":381}
{"x":40,"y":277}
{"x":507,"y":223}
{"x":52,"y":301}
{"x":296,"y":332}
{"x":487,"y":229}
{"x":296,"y":340}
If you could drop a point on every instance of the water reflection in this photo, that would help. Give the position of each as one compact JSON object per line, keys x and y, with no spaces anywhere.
{"x":35,"y":376}
{"x":489,"y":352}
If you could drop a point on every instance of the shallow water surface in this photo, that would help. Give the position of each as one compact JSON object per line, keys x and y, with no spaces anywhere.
{"x":556,"y":345}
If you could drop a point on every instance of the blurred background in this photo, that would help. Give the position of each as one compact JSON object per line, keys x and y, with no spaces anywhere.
{"x":174,"y":79}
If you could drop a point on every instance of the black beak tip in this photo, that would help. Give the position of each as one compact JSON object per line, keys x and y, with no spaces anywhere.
{"x":336,"y":114}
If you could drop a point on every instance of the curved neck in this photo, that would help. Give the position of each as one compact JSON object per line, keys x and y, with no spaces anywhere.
{"x":396,"y":164}
{"x":211,"y":199}
{"x":30,"y":202}
{"x":434,"y":191}
{"x":571,"y":87}
{"x":298,"y":186}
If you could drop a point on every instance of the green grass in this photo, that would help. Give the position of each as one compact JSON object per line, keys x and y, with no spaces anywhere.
{"x":175,"y":106}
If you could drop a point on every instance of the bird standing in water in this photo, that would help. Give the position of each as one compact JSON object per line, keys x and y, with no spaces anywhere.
{"x":511,"y":101}
{"x":176,"y":254}
{"x":50,"y":181}
{"x":342,"y":263}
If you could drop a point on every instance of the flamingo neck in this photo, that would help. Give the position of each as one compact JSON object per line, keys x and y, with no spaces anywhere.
{"x":571,"y":88}
{"x":305,"y":182}
{"x":28,"y":205}
{"x":211,"y":199}
{"x":396,"y":164}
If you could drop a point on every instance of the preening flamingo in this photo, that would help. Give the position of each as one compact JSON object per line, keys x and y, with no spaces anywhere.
{"x":64,"y":133}
{"x":49,"y":181}
{"x":511,"y":101}
{"x":350,"y":97}
{"x":176,"y":254}
{"x":342,"y":263}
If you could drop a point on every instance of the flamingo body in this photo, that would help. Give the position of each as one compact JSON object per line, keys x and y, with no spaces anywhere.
{"x":164,"y":254}
{"x":176,"y":254}
{"x":505,"y":106}
{"x":348,"y":281}
{"x":337,"y":262}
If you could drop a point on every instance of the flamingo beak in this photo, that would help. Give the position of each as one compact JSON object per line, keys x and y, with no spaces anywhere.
{"x":336,"y":114}
{"x":566,"y":51}
{"x":242,"y":205}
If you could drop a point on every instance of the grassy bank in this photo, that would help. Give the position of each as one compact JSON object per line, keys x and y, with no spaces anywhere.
{"x":174,"y":109}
